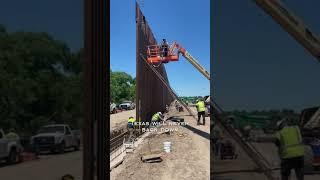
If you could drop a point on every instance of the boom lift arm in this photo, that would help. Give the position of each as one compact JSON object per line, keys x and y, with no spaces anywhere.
{"x":292,"y":24}
{"x":156,"y":55}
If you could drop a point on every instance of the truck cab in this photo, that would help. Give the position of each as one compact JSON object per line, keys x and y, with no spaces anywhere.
{"x":55,"y":138}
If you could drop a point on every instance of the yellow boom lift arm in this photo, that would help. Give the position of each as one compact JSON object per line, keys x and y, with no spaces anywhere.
{"x":292,"y":24}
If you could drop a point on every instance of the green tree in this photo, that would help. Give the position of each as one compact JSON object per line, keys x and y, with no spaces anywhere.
{"x":122,"y":87}
{"x":40,"y":81}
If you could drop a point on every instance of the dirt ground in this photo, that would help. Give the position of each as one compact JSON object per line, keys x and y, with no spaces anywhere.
{"x":189,"y":158}
{"x":48,"y":167}
{"x":120,"y":119}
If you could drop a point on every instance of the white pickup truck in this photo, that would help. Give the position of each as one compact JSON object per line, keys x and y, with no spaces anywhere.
{"x":127,"y":105}
{"x":10,"y":149}
{"x":55,"y":138}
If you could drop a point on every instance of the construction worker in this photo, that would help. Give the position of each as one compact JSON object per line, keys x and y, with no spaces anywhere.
{"x":156,"y":118}
{"x":131,"y":124}
{"x":291,"y":150}
{"x":12,"y":135}
{"x":164,"y":48}
{"x":201,"y":108}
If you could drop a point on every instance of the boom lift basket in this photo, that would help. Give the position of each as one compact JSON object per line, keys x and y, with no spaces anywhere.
{"x":155,"y":55}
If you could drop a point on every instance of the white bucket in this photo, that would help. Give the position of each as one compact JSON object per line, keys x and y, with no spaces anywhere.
{"x":167,"y":146}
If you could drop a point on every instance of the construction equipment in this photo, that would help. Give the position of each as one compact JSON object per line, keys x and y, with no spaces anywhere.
{"x":289,"y":22}
{"x":164,"y":53}
{"x":292,"y":24}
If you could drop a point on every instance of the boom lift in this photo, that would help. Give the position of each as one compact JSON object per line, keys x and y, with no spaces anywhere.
{"x":164,"y":53}
{"x":288,"y":21}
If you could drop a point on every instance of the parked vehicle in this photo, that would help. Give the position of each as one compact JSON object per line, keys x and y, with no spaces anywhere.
{"x":10,"y":149}
{"x":55,"y":138}
{"x":127,"y":105}
{"x":113,"y":108}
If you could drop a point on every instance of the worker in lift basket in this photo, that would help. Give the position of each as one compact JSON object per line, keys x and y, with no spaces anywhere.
{"x":291,"y":150}
{"x":164,"y":48}
{"x":157,"y":118}
{"x":201,"y":108}
{"x":131,"y":124}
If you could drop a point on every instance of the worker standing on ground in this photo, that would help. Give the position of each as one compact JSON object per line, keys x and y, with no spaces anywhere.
{"x":201,"y":108}
{"x":131,"y":124}
{"x":291,"y":150}
{"x":157,"y":118}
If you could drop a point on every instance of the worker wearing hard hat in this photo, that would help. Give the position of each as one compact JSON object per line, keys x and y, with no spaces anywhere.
{"x":291,"y":150}
{"x":164,"y":48}
{"x":156,"y":118}
{"x":201,"y":108}
{"x":131,"y":124}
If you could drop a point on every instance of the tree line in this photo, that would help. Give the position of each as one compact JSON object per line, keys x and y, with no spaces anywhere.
{"x":273,"y":115}
{"x":41,"y":82}
{"x":122,"y":87}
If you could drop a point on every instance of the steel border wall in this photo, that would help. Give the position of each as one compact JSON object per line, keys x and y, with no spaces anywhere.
{"x":151,"y":94}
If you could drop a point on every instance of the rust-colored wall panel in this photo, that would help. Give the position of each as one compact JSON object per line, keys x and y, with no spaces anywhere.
{"x":151,"y":94}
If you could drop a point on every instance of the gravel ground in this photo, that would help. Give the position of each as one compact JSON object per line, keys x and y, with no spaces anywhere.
{"x":120,"y":119}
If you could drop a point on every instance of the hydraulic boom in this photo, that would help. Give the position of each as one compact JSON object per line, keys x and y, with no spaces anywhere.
{"x":159,"y":54}
{"x":292,"y":24}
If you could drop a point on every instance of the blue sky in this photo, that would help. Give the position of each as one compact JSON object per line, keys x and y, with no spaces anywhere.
{"x":187,"y":22}
{"x":257,"y":65}
{"x":60,"y":18}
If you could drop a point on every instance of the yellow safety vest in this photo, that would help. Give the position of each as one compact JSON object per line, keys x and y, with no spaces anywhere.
{"x":201,"y":106}
{"x":131,"y":120}
{"x":290,"y":142}
{"x":155,"y":117}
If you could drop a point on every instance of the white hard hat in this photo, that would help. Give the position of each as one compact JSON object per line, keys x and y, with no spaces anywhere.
{"x":160,"y":113}
{"x":280,"y":123}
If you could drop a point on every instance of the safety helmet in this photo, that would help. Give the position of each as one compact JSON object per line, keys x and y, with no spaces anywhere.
{"x":280,"y":123}
{"x":160,"y":113}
